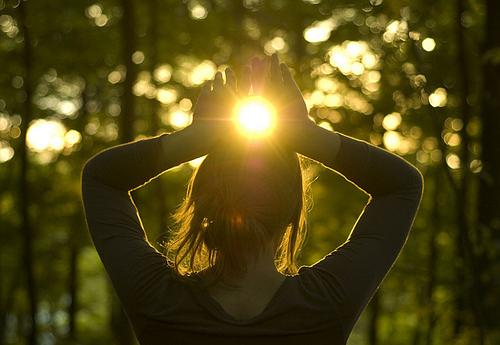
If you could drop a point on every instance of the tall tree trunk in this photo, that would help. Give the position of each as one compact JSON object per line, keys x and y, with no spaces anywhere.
{"x":128,"y":101}
{"x":76,"y":238}
{"x":489,"y":184}
{"x":155,"y":120}
{"x":433,"y":258}
{"x":465,"y":245}
{"x":24,"y":191}
{"x":73,"y":288}
{"x":424,"y":328}
{"x":9,"y":301}
{"x":120,"y":326}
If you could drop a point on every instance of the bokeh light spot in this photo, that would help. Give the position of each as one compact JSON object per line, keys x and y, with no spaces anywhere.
{"x":391,"y":121}
{"x":6,"y":151}
{"x":438,"y":98}
{"x":392,"y":140}
{"x":179,"y":119}
{"x":428,"y":44}
{"x":45,"y":135}
{"x":320,"y":31}
{"x":198,"y":12}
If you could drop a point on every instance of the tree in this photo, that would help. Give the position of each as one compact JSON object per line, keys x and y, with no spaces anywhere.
{"x":24,"y":188}
{"x":488,"y":206}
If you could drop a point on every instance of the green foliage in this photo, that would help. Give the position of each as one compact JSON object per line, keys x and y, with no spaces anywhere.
{"x":384,"y":71}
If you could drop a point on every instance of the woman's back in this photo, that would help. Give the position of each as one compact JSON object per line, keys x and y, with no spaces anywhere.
{"x":297,"y":311}
{"x":324,"y":299}
{"x":248,"y":300}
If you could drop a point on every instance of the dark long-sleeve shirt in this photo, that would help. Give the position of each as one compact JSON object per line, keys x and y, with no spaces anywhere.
{"x":320,"y":305}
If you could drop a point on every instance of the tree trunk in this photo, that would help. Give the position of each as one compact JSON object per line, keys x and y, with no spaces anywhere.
{"x":128,"y":101}
{"x":73,"y":289}
{"x":489,"y":184}
{"x":155,"y":119}
{"x":433,"y":258}
{"x":24,"y":191}
{"x":76,"y":236}
{"x":473,"y":286}
{"x":120,"y":326}
{"x":424,"y":328}
{"x":9,"y":301}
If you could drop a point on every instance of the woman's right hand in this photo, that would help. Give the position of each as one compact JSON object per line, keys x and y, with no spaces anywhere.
{"x":274,"y":82}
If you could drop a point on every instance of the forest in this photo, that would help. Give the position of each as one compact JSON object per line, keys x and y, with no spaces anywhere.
{"x":419,"y":78}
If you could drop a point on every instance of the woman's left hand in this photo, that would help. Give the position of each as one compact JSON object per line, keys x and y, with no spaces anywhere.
{"x":213,"y":111}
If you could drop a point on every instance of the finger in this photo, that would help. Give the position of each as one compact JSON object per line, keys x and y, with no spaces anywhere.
{"x":206,"y":88}
{"x":255,"y":61}
{"x":258,"y":75}
{"x":218,"y":85}
{"x":218,"y":82}
{"x":245,"y":82}
{"x":203,"y":96}
{"x":286,"y":75}
{"x":231,"y":79}
{"x":291,"y":89}
{"x":288,"y":80}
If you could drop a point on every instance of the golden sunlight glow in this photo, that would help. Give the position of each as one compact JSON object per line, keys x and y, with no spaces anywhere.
{"x":6,"y":151}
{"x":277,"y":44}
{"x":320,"y":31}
{"x":72,"y":138}
{"x":45,"y":135}
{"x":204,"y":71}
{"x":179,"y":119}
{"x":94,"y":11}
{"x":166,"y":95}
{"x":392,"y":140}
{"x":452,"y":139}
{"x":196,"y":162}
{"x":353,"y":58}
{"x":163,"y":73}
{"x":438,"y":98}
{"x":392,"y":121}
{"x":197,"y":10}
{"x":255,"y":117}
{"x":396,"y":30}
{"x":453,"y":161}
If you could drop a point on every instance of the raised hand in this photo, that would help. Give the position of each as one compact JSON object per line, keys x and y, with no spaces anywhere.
{"x":212,"y":114}
{"x":274,"y":81}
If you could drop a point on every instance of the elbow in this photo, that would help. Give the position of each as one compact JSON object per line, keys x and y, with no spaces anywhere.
{"x":90,"y":169}
{"x":415,"y":182}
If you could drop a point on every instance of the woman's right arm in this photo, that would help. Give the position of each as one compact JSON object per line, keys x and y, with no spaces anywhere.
{"x":375,"y":170}
{"x":353,"y":271}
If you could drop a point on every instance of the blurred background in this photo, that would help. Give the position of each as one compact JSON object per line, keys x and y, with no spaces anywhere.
{"x":420,"y":78}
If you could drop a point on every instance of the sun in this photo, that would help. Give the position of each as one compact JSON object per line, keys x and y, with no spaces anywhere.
{"x":255,"y":117}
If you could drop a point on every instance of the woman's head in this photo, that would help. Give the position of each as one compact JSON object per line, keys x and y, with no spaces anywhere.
{"x":240,"y":201}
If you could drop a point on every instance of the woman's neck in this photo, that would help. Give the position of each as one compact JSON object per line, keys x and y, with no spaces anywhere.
{"x":260,"y":270}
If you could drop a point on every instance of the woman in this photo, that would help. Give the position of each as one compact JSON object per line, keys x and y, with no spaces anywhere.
{"x":231,"y":274}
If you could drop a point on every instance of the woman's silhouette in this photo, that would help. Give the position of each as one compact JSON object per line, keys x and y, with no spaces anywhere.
{"x":230,"y":274}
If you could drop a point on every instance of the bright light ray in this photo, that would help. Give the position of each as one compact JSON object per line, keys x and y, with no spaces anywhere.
{"x":255,"y":117}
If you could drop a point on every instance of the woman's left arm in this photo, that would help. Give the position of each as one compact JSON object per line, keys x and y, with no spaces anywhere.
{"x":133,"y":264}
{"x":128,"y":166}
{"x":136,"y":269}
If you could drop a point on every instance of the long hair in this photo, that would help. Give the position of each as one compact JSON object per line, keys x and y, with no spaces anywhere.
{"x":239,"y":201}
